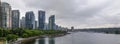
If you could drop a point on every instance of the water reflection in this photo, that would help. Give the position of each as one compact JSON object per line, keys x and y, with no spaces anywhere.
{"x":81,"y":38}
{"x":45,"y":41}
{"x":51,"y":41}
{"x":42,"y":41}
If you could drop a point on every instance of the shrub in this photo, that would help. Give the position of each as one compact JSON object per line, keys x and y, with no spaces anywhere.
{"x":11,"y":37}
{"x":24,"y":35}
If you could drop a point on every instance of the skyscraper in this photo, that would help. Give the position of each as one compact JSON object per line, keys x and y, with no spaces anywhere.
{"x":36,"y":26}
{"x":22,"y":22}
{"x":41,"y":19}
{"x":29,"y":20}
{"x":46,"y":26}
{"x":6,"y":15}
{"x":0,"y":15}
{"x":15,"y":18}
{"x":56,"y":27}
{"x":52,"y":22}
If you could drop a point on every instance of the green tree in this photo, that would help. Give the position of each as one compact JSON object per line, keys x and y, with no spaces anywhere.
{"x":11,"y":37}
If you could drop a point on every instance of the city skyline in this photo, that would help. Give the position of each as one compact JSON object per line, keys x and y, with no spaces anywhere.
{"x":86,"y":13}
{"x":59,"y":21}
{"x":11,"y":19}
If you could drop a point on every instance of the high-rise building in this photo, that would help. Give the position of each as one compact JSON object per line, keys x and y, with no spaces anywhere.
{"x":46,"y":26}
{"x":29,"y":20}
{"x":6,"y":15}
{"x":22,"y":22}
{"x":36,"y":26}
{"x":0,"y":15}
{"x":41,"y":19}
{"x":15,"y":18}
{"x":56,"y":27}
{"x":52,"y":22}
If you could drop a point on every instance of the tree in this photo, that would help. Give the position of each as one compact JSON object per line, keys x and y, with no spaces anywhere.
{"x":24,"y":35}
{"x":11,"y":37}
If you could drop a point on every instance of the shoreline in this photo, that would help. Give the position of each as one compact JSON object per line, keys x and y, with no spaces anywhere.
{"x":26,"y":40}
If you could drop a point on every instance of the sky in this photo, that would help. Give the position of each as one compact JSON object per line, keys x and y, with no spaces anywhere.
{"x":77,"y":13}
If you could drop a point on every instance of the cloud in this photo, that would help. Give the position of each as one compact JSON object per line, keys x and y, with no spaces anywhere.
{"x":78,"y":13}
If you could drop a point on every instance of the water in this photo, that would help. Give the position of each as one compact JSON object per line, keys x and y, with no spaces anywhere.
{"x":82,"y":38}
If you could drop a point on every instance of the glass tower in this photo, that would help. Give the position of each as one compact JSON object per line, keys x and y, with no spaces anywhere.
{"x":29,"y":20}
{"x":15,"y":18}
{"x":0,"y":15}
{"x":41,"y":19}
{"x":52,"y":22}
{"x":6,"y":15}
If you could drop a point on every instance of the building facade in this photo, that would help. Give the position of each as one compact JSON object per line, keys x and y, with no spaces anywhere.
{"x":56,"y":27}
{"x":36,"y":24}
{"x":15,"y":18}
{"x":6,"y":15}
{"x":22,"y":22}
{"x":30,"y":20}
{"x":46,"y":26}
{"x":0,"y":15}
{"x":41,"y":19}
{"x":52,"y":22}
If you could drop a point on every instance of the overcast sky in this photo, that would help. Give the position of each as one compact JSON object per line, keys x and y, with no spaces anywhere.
{"x":77,"y":13}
